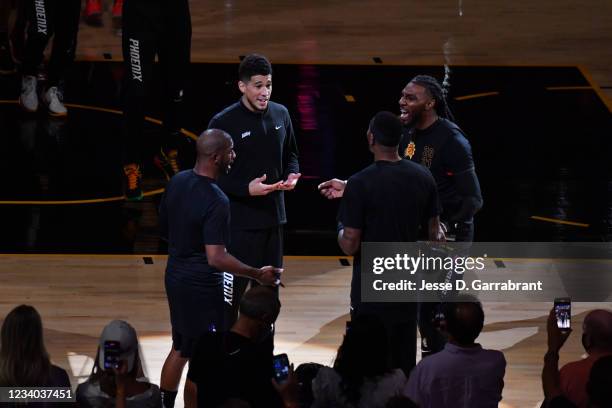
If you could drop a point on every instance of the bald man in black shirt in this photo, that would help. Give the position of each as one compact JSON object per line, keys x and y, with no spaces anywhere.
{"x":194,"y":219}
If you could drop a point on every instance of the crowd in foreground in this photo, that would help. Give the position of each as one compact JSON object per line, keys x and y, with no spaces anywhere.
{"x":235,"y":368}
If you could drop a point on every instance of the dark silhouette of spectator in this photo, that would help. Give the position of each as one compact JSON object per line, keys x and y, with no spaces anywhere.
{"x":597,"y":342}
{"x":304,"y":375}
{"x":599,"y":381}
{"x":361,"y":376}
{"x":463,"y":374}
{"x":401,"y":401}
{"x":238,"y":364}
{"x":24,"y":361}
{"x":119,"y":385}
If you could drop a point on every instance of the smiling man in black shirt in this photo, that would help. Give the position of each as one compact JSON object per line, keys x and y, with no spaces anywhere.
{"x":433,"y":140}
{"x":266,"y":165}
{"x":387,"y":201}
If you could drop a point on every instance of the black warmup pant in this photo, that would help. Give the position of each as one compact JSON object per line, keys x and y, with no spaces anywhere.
{"x":432,"y":340}
{"x":400,"y":330}
{"x":162,"y":28}
{"x":47,"y":18}
{"x":255,"y":248}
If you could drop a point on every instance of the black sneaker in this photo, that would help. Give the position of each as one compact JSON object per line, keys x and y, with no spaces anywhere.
{"x":133,"y":181}
{"x":7,"y":65}
{"x":166,"y":161}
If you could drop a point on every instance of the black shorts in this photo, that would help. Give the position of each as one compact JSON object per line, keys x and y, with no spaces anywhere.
{"x":194,"y":310}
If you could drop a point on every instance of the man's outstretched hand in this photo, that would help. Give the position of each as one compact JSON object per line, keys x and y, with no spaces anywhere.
{"x":270,"y":276}
{"x":333,"y":188}
{"x":258,"y":188}
{"x":556,"y":336}
{"x":291,"y":181}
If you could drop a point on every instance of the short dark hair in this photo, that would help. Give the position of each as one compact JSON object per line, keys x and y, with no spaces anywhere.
{"x":600,"y":381}
{"x":260,"y":302}
{"x":254,"y":64}
{"x":362,"y":355}
{"x":464,"y":318}
{"x":386,"y":128}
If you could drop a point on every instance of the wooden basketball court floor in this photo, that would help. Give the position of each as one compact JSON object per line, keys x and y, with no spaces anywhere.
{"x":78,"y":294}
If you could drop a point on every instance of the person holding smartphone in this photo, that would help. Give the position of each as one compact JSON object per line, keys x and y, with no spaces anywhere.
{"x":239,"y":364}
{"x":115,"y":379}
{"x":597,"y":342}
{"x":194,"y":219}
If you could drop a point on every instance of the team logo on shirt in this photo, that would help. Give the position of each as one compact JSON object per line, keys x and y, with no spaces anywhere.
{"x":428,"y":154}
{"x":246,"y":134}
{"x":410,"y":150}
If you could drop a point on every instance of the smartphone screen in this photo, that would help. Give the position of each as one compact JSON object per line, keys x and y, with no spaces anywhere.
{"x":563,"y":312}
{"x":281,"y":367}
{"x":111,"y":354}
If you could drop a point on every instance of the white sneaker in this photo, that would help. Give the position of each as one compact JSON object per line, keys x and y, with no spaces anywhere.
{"x":53,"y":99}
{"x":29,"y":97}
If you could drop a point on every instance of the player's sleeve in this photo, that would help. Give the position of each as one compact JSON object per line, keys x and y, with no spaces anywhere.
{"x":433,"y":206}
{"x":352,"y":207}
{"x":290,"y":149}
{"x":459,"y":164}
{"x":468,"y":188}
{"x":216,"y":230}
{"x":457,"y":155}
{"x":214,"y":123}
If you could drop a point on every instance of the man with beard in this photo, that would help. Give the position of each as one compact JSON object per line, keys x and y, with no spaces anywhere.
{"x":265,"y":167}
{"x":433,"y":140}
{"x":194,"y":219}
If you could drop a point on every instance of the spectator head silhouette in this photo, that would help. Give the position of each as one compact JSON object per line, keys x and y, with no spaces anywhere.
{"x":463,"y":319}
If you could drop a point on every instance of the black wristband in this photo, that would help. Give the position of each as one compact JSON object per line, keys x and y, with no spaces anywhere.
{"x":551,"y":354}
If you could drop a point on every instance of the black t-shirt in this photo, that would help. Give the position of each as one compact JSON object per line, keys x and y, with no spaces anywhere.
{"x":264,"y":143}
{"x":388,"y":202}
{"x":445,"y":151}
{"x":58,"y":377}
{"x":194,"y":212}
{"x":561,"y":402}
{"x":228,"y":365}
